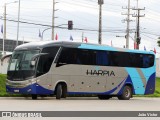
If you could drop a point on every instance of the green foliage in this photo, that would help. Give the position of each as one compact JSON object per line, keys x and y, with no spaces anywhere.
{"x":157,"y":92}
{"x":2,"y":85}
{"x":3,"y":92}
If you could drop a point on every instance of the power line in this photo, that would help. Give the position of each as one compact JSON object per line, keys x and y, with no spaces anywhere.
{"x":80,"y":29}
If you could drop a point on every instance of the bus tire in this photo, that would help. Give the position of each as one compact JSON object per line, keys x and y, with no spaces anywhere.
{"x":126,"y":94}
{"x":104,"y":97}
{"x":59,"y":91}
{"x":34,"y":97}
{"x":64,"y":91}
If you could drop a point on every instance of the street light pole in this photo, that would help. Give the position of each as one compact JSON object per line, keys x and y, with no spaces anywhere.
{"x":100,"y":3}
{"x":50,"y":28}
{"x":18,"y":22}
{"x":4,"y":28}
{"x":44,"y":31}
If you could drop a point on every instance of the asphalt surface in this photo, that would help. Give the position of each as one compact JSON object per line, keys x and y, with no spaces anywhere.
{"x":79,"y":104}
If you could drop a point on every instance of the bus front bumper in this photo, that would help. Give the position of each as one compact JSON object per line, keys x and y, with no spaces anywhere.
{"x":30,"y":89}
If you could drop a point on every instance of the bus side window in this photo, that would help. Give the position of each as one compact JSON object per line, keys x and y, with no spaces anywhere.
{"x":46,"y":61}
{"x":151,"y":60}
{"x":74,"y":58}
{"x":145,"y":61}
{"x":63,"y":58}
{"x":102,"y":58}
{"x":69,"y":56}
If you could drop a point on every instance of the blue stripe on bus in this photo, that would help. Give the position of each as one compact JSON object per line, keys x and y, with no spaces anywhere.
{"x":35,"y":89}
{"x":148,"y":72}
{"x":150,"y":87}
{"x":127,"y":82}
{"x":136,"y":80}
{"x":85,"y":46}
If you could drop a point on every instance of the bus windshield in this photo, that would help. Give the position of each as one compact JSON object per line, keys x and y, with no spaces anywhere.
{"x":19,"y":67}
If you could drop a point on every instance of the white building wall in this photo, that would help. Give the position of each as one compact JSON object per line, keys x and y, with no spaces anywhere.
{"x":4,"y":66}
{"x":158,"y":67}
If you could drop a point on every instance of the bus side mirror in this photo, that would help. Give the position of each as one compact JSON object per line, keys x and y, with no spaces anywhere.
{"x":33,"y":63}
{"x":3,"y":58}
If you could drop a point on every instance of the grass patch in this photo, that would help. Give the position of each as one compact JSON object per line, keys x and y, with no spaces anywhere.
{"x":3,"y":92}
{"x":157,"y":91}
{"x":2,"y":85}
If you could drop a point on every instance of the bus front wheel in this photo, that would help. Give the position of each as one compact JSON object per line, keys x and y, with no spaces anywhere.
{"x":126,"y":94}
{"x":59,"y":91}
{"x":34,"y":97}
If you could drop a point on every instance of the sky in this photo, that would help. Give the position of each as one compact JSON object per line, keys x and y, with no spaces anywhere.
{"x":85,"y":15}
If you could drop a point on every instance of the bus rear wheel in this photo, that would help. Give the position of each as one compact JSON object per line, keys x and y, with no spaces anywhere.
{"x":126,"y":94}
{"x":34,"y":97}
{"x":59,"y":91}
{"x":104,"y":97}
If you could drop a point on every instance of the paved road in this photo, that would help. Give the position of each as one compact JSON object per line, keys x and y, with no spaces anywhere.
{"x":79,"y":104}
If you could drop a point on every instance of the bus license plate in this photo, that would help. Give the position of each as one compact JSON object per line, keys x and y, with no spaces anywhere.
{"x":16,"y":91}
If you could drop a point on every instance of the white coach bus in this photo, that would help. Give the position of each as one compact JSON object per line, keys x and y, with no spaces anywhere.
{"x":63,"y":68}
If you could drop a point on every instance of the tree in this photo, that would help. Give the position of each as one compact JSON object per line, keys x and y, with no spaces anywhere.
{"x":158,"y":41}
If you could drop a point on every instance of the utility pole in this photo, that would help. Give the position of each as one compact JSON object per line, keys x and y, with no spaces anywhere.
{"x":135,"y":36}
{"x":19,"y":6}
{"x":138,"y":38}
{"x":100,"y":3}
{"x":53,"y":20}
{"x":128,"y":24}
{"x":4,"y":21}
{"x":4,"y":31}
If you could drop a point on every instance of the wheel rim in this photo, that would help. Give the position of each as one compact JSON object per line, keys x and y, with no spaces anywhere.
{"x":127,"y":93}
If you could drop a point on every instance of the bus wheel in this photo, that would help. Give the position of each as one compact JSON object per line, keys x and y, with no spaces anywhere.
{"x":104,"y":97}
{"x":34,"y":97}
{"x":64,"y":91}
{"x":126,"y":94}
{"x":59,"y":91}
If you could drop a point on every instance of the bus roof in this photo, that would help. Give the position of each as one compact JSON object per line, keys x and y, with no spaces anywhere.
{"x":43,"y":44}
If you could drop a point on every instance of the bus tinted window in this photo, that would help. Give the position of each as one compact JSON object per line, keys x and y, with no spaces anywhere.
{"x":102,"y":58}
{"x":125,"y":59}
{"x":46,"y":61}
{"x":69,"y":56}
{"x":76,"y":56}
{"x":105,"y":58}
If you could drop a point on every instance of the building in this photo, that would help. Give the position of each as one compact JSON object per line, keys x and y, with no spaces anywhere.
{"x":158,"y":67}
{"x":9,"y":45}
